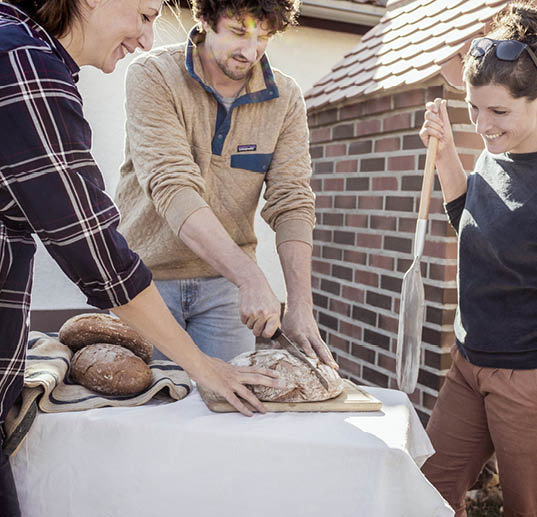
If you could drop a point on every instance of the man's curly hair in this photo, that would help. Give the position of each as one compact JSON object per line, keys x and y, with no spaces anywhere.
{"x":279,"y":14}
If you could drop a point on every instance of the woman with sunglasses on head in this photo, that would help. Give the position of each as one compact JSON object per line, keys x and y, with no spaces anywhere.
{"x":488,"y":402}
{"x":51,"y":187}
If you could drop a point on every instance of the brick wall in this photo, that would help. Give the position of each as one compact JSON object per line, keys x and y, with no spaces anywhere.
{"x":367,"y":174}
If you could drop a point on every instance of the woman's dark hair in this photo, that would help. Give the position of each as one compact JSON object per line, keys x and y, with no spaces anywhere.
{"x":278,"y":13}
{"x":55,"y":16}
{"x":517,"y":22}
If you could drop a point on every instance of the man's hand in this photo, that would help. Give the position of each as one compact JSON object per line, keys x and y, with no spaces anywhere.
{"x":259,"y":307}
{"x":230,"y":382}
{"x":299,"y":325}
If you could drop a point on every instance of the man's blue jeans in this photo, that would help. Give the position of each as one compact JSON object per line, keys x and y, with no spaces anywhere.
{"x":208,"y":309}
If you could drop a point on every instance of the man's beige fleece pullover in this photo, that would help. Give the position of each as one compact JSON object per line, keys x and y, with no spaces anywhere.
{"x":184,"y":152}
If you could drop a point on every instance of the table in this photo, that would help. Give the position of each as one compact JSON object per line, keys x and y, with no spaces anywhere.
{"x":171,"y":459}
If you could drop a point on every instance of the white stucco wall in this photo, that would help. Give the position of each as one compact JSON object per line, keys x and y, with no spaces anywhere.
{"x":305,"y":53}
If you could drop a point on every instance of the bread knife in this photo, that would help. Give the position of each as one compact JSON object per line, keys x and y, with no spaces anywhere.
{"x":293,"y":349}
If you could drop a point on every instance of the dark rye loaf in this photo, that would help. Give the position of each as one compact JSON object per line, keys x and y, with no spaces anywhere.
{"x":110,"y":370}
{"x":301,"y":384}
{"x":88,"y":329}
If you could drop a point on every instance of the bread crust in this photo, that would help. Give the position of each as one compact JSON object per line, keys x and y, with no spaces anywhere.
{"x":87,"y":329}
{"x":110,"y":370}
{"x":301,"y":383}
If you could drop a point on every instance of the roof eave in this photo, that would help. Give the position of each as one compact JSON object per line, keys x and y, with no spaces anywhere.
{"x":336,"y":10}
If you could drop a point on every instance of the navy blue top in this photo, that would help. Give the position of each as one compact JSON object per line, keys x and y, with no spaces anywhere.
{"x":496,"y":220}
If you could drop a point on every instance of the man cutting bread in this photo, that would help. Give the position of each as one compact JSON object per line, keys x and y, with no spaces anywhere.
{"x":209,"y":122}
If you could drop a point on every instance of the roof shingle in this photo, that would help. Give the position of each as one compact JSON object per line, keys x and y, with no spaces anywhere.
{"x":412,"y":43}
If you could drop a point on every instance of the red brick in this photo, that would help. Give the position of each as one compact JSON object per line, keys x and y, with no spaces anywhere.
{"x":412,"y":142}
{"x":436,"y":206}
{"x":391,"y":283}
{"x":316,"y":184}
{"x":382,"y":222}
{"x":354,"y":257}
{"x":362,"y":147}
{"x":368,"y":240}
{"x":385,"y":184}
{"x":438,"y":360}
{"x":341,"y":237}
{"x":323,"y":201}
{"x":367,"y":127}
{"x":400,"y":203}
{"x":377,"y":105}
{"x":348,"y":202}
{"x":370,"y":202}
{"x":396,"y":122}
{"x":468,"y":140}
{"x":330,"y":287}
{"x":398,"y":244}
{"x":439,"y":92}
{"x":316,"y":251}
{"x":429,"y":400}
{"x":375,"y":377}
{"x":372,"y":164}
{"x":328,"y":116}
{"x":442,"y":272}
{"x":412,"y":183}
{"x":336,"y":150}
{"x":387,"y":144}
{"x":356,"y":220}
{"x":337,"y":342}
{"x":357,"y":184}
{"x":350,"y":366}
{"x":352,"y":293}
{"x":316,"y":152}
{"x":343,"y":131}
{"x":387,"y":362}
{"x":315,"y":282}
{"x":320,"y":267}
{"x":410,"y":98}
{"x":347,"y":166}
{"x":319,"y":300}
{"x":328,"y":321}
{"x":365,"y":354}
{"x":319,"y":135}
{"x":440,"y":249}
{"x":366,"y":277}
{"x":351,"y":111}
{"x":332,"y":219}
{"x":342,"y":272}
{"x":353,"y":331}
{"x":388,"y":323}
{"x":468,"y":161}
{"x":402,"y":163}
{"x":365,"y":315}
{"x":332,"y":253}
{"x":441,"y":228}
{"x":378,"y":300}
{"x":340,"y":307}
{"x":381,"y":261}
{"x":407,"y":224}
{"x":458,"y":115}
{"x":334,"y":184}
{"x":323,"y":167}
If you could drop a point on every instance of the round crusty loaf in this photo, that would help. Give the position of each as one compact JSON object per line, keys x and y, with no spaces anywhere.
{"x":88,"y":329}
{"x":110,"y":370}
{"x":301,"y":383}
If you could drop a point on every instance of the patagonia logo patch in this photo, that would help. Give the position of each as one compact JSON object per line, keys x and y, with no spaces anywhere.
{"x":245,"y":148}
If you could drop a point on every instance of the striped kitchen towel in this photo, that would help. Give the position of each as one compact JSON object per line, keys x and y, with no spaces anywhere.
{"x":48,"y":388}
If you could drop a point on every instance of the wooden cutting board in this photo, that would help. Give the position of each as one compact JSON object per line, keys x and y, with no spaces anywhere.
{"x":352,"y":399}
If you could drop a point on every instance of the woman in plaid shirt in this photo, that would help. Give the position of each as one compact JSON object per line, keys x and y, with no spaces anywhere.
{"x":51,"y":187}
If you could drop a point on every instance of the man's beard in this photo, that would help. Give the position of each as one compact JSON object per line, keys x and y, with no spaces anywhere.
{"x":235,"y":75}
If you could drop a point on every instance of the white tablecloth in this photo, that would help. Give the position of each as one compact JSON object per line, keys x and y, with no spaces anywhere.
{"x":180,"y":459}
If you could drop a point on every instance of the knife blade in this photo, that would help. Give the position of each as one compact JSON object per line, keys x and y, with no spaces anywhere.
{"x":293,"y":349}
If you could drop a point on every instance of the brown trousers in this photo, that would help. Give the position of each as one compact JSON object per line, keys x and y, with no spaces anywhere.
{"x":479,"y":411}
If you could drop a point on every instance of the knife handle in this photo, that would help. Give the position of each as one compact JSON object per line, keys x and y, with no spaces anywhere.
{"x":277,"y":333}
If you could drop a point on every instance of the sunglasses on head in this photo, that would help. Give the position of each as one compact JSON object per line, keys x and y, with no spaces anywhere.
{"x":506,"y":50}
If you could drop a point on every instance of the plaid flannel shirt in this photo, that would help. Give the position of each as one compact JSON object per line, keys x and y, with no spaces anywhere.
{"x":50,"y":186}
